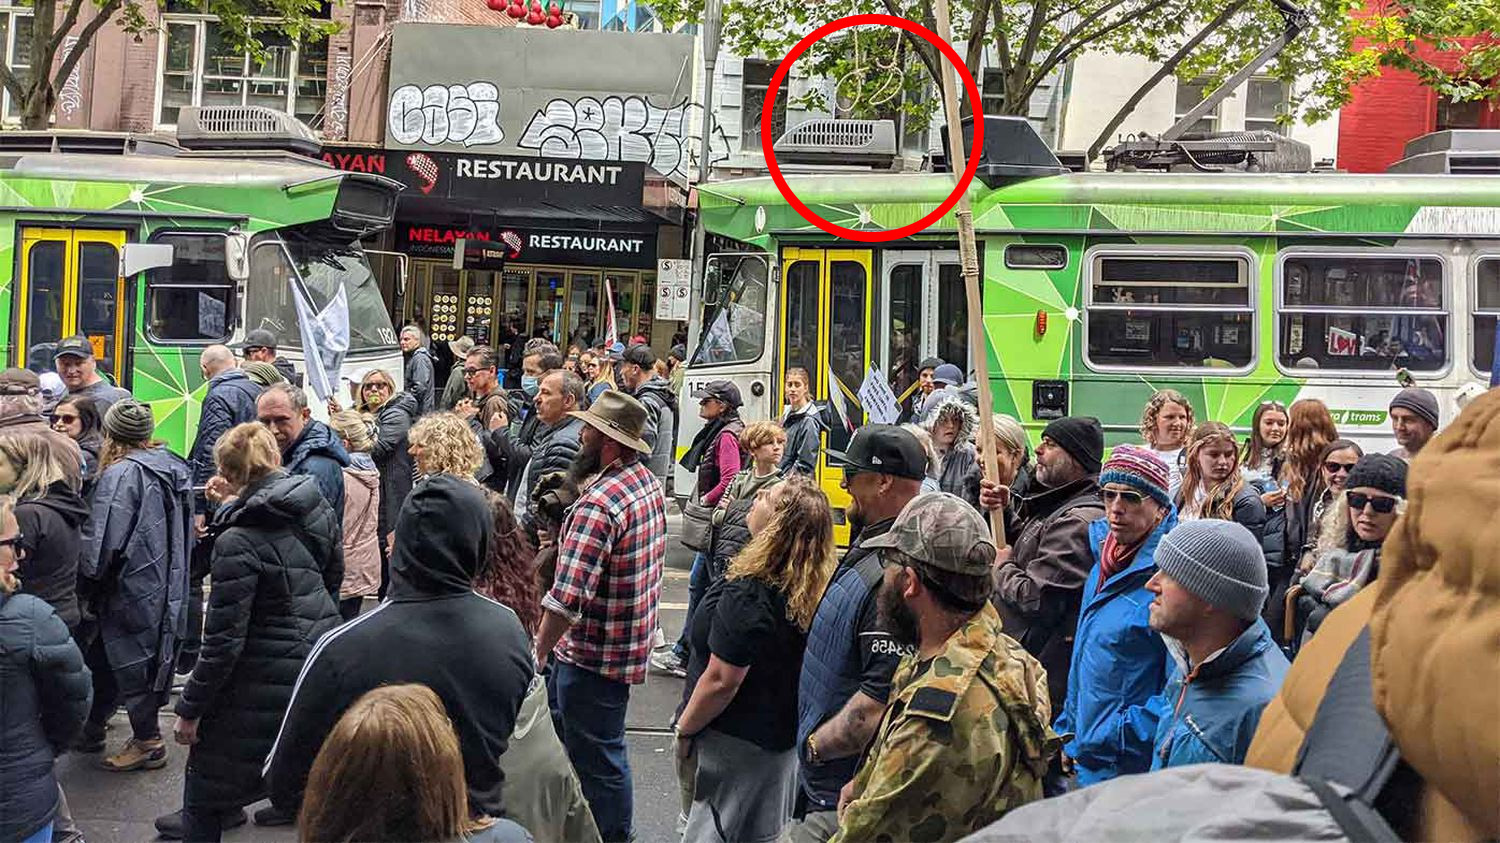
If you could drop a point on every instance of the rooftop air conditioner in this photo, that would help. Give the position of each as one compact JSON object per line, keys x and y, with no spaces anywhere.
{"x":1472,"y":152}
{"x":829,"y":141}
{"x":244,"y":127}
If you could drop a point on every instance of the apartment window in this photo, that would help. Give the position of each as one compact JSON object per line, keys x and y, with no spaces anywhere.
{"x":200,"y":67}
{"x":1190,"y":94}
{"x":1460,"y":115}
{"x":1265,"y":100}
{"x":1365,"y":311}
{"x":992,"y":92}
{"x":756,"y":81}
{"x":1170,"y":311}
{"x":15,"y":48}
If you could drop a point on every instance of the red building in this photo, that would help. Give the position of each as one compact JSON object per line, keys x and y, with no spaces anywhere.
{"x":1395,"y":107}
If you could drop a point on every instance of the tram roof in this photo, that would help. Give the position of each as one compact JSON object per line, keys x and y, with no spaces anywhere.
{"x":219,"y":169}
{"x":1122,"y":188}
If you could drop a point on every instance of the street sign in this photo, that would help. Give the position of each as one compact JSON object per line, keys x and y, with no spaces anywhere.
{"x":674,"y":284}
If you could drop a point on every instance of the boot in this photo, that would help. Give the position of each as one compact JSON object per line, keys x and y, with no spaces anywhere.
{"x":170,"y":826}
{"x":137,"y":755}
{"x":273,"y":816}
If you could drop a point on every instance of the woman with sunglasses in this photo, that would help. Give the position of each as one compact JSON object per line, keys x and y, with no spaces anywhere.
{"x":394,"y":413}
{"x":78,"y":418}
{"x":1348,"y":552}
{"x":1305,"y":521}
{"x":598,"y":372}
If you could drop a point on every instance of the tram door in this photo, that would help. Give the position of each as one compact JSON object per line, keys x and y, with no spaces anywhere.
{"x":826,"y":328}
{"x":70,"y":283}
{"x":922,"y":313}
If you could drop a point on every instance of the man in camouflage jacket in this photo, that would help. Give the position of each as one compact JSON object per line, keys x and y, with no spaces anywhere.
{"x":965,"y":738}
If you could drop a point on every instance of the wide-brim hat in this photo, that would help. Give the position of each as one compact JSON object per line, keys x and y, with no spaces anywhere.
{"x":617,"y":416}
{"x":461,"y":346}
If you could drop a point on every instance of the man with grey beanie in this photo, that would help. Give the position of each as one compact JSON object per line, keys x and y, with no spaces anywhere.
{"x":1210,"y":585}
{"x":1414,"y":420}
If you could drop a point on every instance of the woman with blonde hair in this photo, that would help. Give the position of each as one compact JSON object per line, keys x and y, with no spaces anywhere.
{"x":765,"y":441}
{"x":1165,"y":424}
{"x":391,"y":770}
{"x":736,"y":735}
{"x":364,"y":559}
{"x":392,"y":413}
{"x":443,"y":443}
{"x":274,"y":576}
{"x":1212,"y":485}
{"x":43,"y":471}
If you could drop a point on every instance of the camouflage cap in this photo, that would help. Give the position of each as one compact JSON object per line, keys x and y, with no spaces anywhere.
{"x":941,"y":532}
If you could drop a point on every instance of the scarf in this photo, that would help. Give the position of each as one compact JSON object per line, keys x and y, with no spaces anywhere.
{"x":703,"y":443}
{"x":1115,"y":557}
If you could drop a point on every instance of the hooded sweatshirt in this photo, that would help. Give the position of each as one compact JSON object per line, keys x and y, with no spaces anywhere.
{"x":661,"y":423}
{"x":804,"y":434}
{"x":958,"y":470}
{"x":433,"y":630}
{"x":52,"y":527}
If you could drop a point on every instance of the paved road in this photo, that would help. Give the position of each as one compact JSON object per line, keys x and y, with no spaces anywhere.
{"x":120,"y":807}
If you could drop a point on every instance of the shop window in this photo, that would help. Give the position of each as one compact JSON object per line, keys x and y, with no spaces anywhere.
{"x":1167,"y":312}
{"x":1486,"y":311}
{"x":1265,"y":100}
{"x":755,"y":83}
{"x":734,"y":310}
{"x":15,"y":49}
{"x":200,"y":67}
{"x":1189,"y":94}
{"x":1363,"y":312}
{"x":190,"y":301}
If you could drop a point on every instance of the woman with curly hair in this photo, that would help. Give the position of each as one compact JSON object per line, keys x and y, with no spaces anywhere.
{"x":443,"y":443}
{"x":1165,"y":424}
{"x":509,"y":573}
{"x":1212,"y":486}
{"x":736,"y":735}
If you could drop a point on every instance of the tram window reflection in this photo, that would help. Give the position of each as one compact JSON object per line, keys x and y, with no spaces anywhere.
{"x":1171,"y":311}
{"x":190,"y":301}
{"x":734,"y":324}
{"x":1486,"y":312}
{"x":1363,"y":312}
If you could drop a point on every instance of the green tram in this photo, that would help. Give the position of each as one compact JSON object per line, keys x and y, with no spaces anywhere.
{"x":154,"y":252}
{"x":1100,"y":288}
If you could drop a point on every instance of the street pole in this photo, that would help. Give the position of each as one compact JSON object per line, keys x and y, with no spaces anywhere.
{"x":709,"y":32}
{"x":968,"y":253}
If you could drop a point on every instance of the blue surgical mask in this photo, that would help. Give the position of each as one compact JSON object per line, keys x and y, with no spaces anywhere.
{"x":530,"y":384}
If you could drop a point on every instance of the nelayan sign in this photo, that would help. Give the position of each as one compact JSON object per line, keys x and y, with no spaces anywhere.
{"x":626,"y":250}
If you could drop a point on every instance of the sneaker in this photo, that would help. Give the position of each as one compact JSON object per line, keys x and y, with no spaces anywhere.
{"x":658,"y":639}
{"x":272,"y":815}
{"x":669,"y":663}
{"x":170,"y":826}
{"x":137,"y":755}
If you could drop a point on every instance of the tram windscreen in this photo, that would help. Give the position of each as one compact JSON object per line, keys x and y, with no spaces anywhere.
{"x":734,"y":326}
{"x":325,"y":261}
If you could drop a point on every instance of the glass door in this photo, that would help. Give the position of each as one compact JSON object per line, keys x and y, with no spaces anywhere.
{"x":585,"y":318}
{"x":71,"y":284}
{"x":905,"y":334}
{"x":479,"y":305}
{"x":547,"y":305}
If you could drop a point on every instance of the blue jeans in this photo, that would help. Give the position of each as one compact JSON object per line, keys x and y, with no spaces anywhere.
{"x":698,"y":583}
{"x":42,"y":835}
{"x":589,"y":713}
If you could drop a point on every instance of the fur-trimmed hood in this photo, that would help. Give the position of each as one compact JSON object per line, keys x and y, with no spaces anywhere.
{"x":951,"y":406}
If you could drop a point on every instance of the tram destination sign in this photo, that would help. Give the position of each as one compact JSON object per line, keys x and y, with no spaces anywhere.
{"x":498,"y":180}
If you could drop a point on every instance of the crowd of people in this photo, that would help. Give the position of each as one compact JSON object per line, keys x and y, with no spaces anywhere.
{"x":1148,"y":607}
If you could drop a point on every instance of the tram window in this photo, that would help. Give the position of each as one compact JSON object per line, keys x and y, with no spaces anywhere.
{"x":1170,"y":311}
{"x":190,"y":301}
{"x":734,"y":325}
{"x":802,"y":321}
{"x":1025,"y":256}
{"x":953,"y":316}
{"x":847,"y":354}
{"x":904,"y":295}
{"x":45,"y":292}
{"x":1363,"y":312}
{"x":1486,"y":312}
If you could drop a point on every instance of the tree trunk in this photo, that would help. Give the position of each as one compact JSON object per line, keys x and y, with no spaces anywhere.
{"x":36,"y":106}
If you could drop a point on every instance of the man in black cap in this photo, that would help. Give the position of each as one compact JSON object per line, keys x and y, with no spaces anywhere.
{"x":260,"y":345}
{"x":850,"y":656}
{"x":1039,"y":588}
{"x":80,"y":372}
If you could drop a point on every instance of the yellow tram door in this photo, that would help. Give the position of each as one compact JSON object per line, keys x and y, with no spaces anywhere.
{"x":826,"y":327}
{"x":70,"y":283}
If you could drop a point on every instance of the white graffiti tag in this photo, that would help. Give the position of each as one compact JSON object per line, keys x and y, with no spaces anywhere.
{"x":617,"y":129}
{"x":338,"y":98}
{"x":465,"y":114}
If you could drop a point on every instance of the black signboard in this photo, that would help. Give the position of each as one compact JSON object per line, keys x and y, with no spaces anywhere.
{"x":498,"y":180}
{"x":626,"y":250}
{"x":480,"y":254}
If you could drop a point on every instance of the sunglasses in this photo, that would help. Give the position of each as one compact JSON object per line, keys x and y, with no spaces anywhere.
{"x":377,"y":385}
{"x":13,"y":541}
{"x":1383,"y":505}
{"x":1125,"y":495}
{"x":1338,"y":467}
{"x":63,"y":418}
{"x":469,"y":373}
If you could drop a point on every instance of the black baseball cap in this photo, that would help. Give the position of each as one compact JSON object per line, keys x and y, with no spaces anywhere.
{"x":640,"y":355}
{"x":884,"y":449}
{"x":723,"y":390}
{"x":259,"y":338}
{"x":77,"y":345}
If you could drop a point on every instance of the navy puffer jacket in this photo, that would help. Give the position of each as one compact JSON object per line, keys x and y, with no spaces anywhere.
{"x":230,"y":400}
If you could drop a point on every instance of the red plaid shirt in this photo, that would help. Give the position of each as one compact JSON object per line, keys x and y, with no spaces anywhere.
{"x":609,"y":568}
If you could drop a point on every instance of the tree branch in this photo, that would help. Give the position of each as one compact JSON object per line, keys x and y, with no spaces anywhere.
{"x":1073,"y":42}
{"x":924,"y":50}
{"x":12,"y":84}
{"x":1161,"y":73}
{"x":68,"y":21}
{"x":85,"y":38}
{"x":978,"y":29}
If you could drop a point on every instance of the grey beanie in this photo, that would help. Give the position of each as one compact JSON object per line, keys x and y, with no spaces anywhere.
{"x":1220,"y":562}
{"x":129,"y":421}
{"x":1419,"y":401}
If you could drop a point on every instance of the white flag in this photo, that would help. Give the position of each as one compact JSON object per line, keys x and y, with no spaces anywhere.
{"x":325,"y":339}
{"x":840,"y":401}
{"x":611,"y":330}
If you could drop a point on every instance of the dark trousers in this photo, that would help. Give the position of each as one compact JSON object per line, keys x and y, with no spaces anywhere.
{"x":204,"y":825}
{"x":385,"y":569}
{"x":187,"y":657}
{"x":588,"y":711}
{"x":698,"y":583}
{"x":349,"y":609}
{"x":130,"y":687}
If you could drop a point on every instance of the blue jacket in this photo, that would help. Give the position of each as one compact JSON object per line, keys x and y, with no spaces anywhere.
{"x":319,"y":454}
{"x":230,"y":400}
{"x":1118,"y":670}
{"x":1216,"y":706}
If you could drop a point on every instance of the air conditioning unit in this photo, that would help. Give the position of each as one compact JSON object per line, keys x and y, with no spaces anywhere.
{"x":1471,"y":152}
{"x":244,"y":127}
{"x":830,"y":141}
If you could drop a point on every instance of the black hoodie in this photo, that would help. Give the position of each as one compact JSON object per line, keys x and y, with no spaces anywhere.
{"x":435,"y":631}
{"x":52,"y":527}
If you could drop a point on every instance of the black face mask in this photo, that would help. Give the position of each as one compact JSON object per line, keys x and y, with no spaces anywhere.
{"x":895,"y":617}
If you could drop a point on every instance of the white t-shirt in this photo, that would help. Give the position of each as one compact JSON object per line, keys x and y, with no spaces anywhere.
{"x":1173,"y":459}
